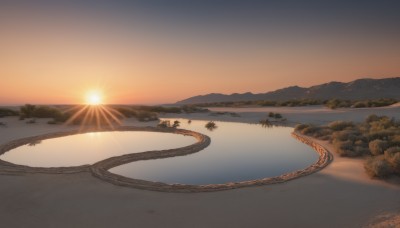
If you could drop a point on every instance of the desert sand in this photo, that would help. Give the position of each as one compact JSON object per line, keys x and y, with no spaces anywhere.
{"x":340,"y":195}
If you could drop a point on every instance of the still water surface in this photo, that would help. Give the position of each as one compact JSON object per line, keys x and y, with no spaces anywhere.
{"x":89,"y":148}
{"x":237,"y":152}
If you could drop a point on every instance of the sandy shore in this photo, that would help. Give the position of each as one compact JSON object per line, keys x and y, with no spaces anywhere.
{"x":341,"y":195}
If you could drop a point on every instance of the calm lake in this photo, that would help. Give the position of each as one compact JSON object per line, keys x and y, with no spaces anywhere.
{"x":89,"y":148}
{"x":237,"y":152}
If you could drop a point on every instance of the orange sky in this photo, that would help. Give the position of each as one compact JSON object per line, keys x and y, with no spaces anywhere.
{"x":57,"y":58}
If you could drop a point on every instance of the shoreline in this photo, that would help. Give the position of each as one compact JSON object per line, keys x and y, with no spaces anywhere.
{"x":100,"y":168}
{"x":341,"y":193}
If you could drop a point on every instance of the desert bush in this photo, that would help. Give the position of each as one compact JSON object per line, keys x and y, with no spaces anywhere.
{"x":310,"y":130}
{"x":340,"y":125}
{"x":300,"y":127}
{"x":7,"y":112}
{"x":211,"y":125}
{"x":176,"y":124}
{"x":266,"y":123}
{"x":395,"y":140}
{"x":383,"y":135}
{"x":392,"y":155}
{"x":377,"y":167}
{"x":164,"y":124}
{"x":347,"y":149}
{"x":372,"y":118}
{"x":344,"y":135}
{"x":360,"y":104}
{"x":145,"y":116}
{"x":275,"y":115}
{"x":27,"y":110}
{"x":47,"y":112}
{"x":377,"y":146}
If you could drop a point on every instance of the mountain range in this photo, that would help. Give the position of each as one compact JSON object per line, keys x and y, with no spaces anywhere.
{"x":360,"y":89}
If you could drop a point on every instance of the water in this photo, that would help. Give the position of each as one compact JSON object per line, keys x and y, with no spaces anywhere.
{"x":89,"y":148}
{"x":238,"y":152}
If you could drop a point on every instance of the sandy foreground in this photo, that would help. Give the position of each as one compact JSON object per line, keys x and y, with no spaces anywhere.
{"x":341,"y":195}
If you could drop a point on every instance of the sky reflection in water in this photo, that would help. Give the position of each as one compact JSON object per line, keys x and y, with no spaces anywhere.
{"x":89,"y":148}
{"x":238,"y":152}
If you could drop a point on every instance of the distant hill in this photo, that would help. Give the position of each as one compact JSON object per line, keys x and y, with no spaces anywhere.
{"x":356,"y":90}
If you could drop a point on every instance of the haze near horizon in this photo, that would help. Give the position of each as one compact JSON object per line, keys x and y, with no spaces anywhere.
{"x":156,"y":52}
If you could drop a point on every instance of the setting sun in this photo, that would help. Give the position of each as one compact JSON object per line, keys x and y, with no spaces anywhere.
{"x":94,"y":98}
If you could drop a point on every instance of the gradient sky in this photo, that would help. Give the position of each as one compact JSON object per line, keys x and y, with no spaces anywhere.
{"x":164,"y":51}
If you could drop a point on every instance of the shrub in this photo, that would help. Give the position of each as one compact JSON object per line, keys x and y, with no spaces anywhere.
{"x":392,"y":155}
{"x":164,"y":124}
{"x":211,"y":125}
{"x":377,"y":146}
{"x":300,"y":127}
{"x":145,"y":116}
{"x":377,"y":167}
{"x":176,"y":124}
{"x":310,"y":130}
{"x":47,"y":112}
{"x":266,"y":123}
{"x":278,"y":116}
{"x":27,"y":110}
{"x":344,"y":135}
{"x":340,"y":125}
{"x":371,"y":118}
{"x":7,"y":112}
{"x":347,"y":149}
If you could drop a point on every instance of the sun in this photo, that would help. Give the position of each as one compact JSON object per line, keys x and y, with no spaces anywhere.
{"x":94,"y":98}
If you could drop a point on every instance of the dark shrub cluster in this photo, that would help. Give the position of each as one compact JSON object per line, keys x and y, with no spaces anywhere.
{"x":8,"y":112}
{"x":211,"y":125}
{"x":337,"y":103}
{"x":332,"y":103}
{"x":377,"y":137}
{"x":275,"y":115}
{"x":33,"y":111}
{"x":323,"y":133}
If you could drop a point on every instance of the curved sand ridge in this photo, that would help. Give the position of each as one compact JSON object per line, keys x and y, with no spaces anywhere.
{"x":100,"y":169}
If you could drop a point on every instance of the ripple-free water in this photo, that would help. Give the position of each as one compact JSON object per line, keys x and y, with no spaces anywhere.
{"x":88,"y":148}
{"x":238,"y":152}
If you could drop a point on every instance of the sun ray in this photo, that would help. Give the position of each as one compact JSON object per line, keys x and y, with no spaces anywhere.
{"x":76,"y":115}
{"x":112,"y":116}
{"x":106,"y":119}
